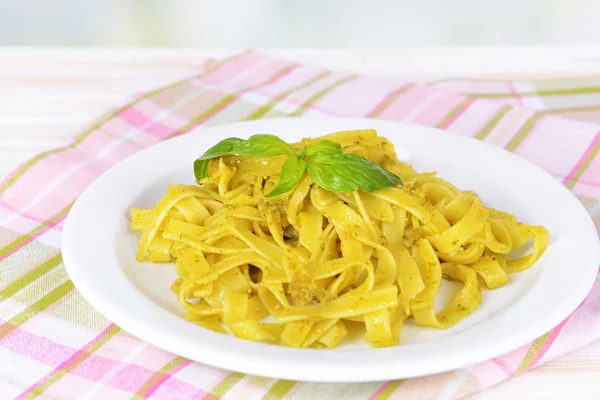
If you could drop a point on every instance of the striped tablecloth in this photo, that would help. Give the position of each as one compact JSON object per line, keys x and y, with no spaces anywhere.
{"x":55,"y":345}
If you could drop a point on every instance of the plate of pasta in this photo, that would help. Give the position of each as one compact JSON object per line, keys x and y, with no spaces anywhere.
{"x":330,"y":249}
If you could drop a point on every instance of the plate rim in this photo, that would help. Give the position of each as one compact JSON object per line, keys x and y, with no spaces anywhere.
{"x":303,"y":369}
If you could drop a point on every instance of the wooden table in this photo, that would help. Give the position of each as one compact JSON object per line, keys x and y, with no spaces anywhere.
{"x":48,"y":94}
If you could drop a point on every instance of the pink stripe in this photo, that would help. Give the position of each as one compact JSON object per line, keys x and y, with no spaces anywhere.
{"x":164,"y":378}
{"x":33,"y":237}
{"x":503,"y":366}
{"x":365,"y":92}
{"x":35,"y":347}
{"x":458,"y":114}
{"x":585,"y":155}
{"x":553,"y":335}
{"x":65,"y":363}
{"x":434,"y":108}
{"x":405,"y":104}
{"x":128,"y":377}
{"x":235,"y":81}
{"x":381,"y":389}
{"x":172,"y":119}
{"x":579,"y":181}
{"x":23,"y":214}
{"x":177,"y":389}
{"x":291,"y":82}
{"x":232,"y":68}
{"x":386,"y":99}
{"x":138,"y":119}
{"x":513,"y":90}
{"x":480,"y":113}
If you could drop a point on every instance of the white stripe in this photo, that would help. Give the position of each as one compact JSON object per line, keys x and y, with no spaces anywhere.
{"x":531,"y":102}
{"x":10,"y":307}
{"x":98,"y":385}
{"x":53,"y":184}
{"x":10,"y":389}
{"x":60,"y":331}
{"x":20,"y":370}
{"x":454,"y":385}
{"x":51,"y":237}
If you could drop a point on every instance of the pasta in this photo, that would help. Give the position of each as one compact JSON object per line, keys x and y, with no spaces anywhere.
{"x":302,"y":268}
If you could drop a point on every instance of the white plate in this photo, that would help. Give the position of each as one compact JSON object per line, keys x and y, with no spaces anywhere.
{"x":99,"y":254}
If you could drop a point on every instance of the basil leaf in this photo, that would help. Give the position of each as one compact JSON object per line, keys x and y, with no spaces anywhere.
{"x":224,"y":147}
{"x":262,"y":146}
{"x":254,"y":146}
{"x":291,"y":173}
{"x":324,"y":146}
{"x":201,"y":169}
{"x":349,"y":172}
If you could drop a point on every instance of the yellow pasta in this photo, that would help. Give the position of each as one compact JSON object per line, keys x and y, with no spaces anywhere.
{"x":305,"y":267}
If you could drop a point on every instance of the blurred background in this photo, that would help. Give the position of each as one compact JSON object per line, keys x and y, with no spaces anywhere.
{"x":298,"y":23}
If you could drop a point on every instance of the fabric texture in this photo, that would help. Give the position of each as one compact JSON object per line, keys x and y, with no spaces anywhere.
{"x":53,"y":344}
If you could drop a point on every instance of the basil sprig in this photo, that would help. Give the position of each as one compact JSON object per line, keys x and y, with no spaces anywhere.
{"x":254,"y":146}
{"x":325,"y":162}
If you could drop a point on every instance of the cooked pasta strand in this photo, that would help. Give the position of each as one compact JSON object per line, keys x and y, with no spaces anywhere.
{"x":317,"y":262}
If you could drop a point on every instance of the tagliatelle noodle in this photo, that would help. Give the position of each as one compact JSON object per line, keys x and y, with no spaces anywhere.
{"x":305,"y":267}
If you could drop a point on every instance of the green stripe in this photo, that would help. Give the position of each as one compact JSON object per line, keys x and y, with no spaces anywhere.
{"x":279,"y":389}
{"x":224,"y":386}
{"x":262,"y":111}
{"x":389,"y":390}
{"x":573,"y":109}
{"x":390,"y":100}
{"x":317,"y":96}
{"x":228,"y":99}
{"x":523,"y":132}
{"x":37,"y":307}
{"x":141,"y":392}
{"x":23,"y":238}
{"x":79,"y":358}
{"x":584,"y":165}
{"x":459,"y":107}
{"x":542,"y":93}
{"x":482,"y":134}
{"x":30,"y":276}
{"x":532,"y":353}
{"x":109,"y":116}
